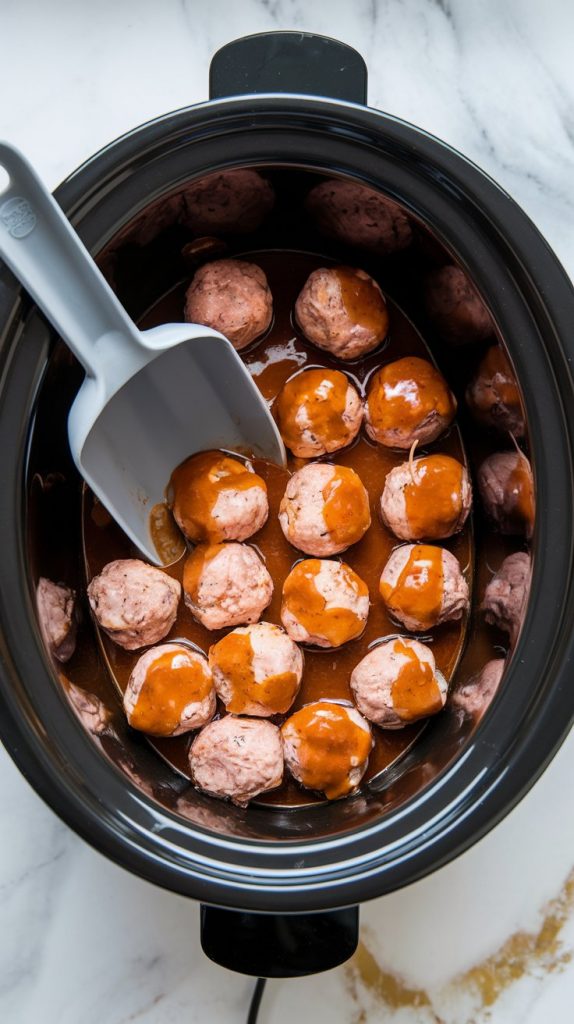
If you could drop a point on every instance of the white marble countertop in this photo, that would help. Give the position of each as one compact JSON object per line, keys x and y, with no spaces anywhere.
{"x":488,"y":938}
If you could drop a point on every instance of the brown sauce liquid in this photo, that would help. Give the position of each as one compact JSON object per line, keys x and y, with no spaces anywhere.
{"x":418,"y":590}
{"x":346,"y":510}
{"x":165,"y":535}
{"x":234,"y":656}
{"x":404,"y":393}
{"x":307,"y":604}
{"x":433,"y":499}
{"x":363,"y":301}
{"x":196,"y":485}
{"x":495,"y":367}
{"x":415,"y":691}
{"x":272,"y":361}
{"x":321,"y":397}
{"x":168,"y":688}
{"x":330,"y":744}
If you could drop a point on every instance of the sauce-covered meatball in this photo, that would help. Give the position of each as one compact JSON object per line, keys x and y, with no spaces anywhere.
{"x":237,"y":758}
{"x":454,"y":306}
{"x":226,"y":585}
{"x":423,"y":585}
{"x":507,"y":491}
{"x":327,"y":747}
{"x":234,"y":201}
{"x":232,"y":297}
{"x":257,"y":670}
{"x":428,"y":499}
{"x":325,"y":509}
{"x":324,"y":603}
{"x":343,"y":311}
{"x":408,"y":401}
{"x":397,"y":682}
{"x":318,"y":411}
{"x":359,"y":216}
{"x":170,"y":691}
{"x":506,"y":596}
{"x":492,"y":395}
{"x":134,"y":603}
{"x":474,"y":696}
{"x":216,"y":498}
{"x":57,"y":614}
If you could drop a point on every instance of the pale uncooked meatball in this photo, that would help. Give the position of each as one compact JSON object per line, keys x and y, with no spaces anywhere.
{"x":506,"y":596}
{"x":257,"y":670}
{"x":475,"y":696}
{"x":428,"y":498}
{"x":134,"y":603}
{"x":91,"y":711}
{"x":232,"y":297}
{"x":324,"y":603}
{"x":359,"y":216}
{"x":238,"y":758}
{"x":507,"y":491}
{"x":492,"y":395}
{"x":423,"y":585}
{"x":226,"y":585}
{"x":454,"y":306}
{"x":397,"y":682}
{"x":408,"y":400}
{"x":58,"y":617}
{"x":325,"y":509}
{"x":218,"y":498}
{"x":318,"y":411}
{"x":342,"y":310}
{"x":170,"y":691}
{"x":235,"y":201}
{"x":327,"y":747}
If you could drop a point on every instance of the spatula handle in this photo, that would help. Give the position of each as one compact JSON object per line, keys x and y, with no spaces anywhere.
{"x":44,"y":252}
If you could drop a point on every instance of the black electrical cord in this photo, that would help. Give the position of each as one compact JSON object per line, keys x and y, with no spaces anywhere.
{"x":256,"y":1000}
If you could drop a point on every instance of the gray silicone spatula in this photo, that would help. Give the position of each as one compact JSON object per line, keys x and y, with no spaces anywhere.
{"x":149,"y":398}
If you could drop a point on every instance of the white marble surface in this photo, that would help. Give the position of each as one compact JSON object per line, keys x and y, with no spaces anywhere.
{"x":80,"y":940}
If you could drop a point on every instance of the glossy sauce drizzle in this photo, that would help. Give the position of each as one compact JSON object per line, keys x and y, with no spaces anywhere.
{"x":172,"y":681}
{"x":419,"y":588}
{"x":196,"y":485}
{"x":313,"y":403}
{"x":330,"y":746}
{"x":433,"y":497}
{"x":402,"y":394}
{"x":346,"y":510}
{"x":307,"y":604}
{"x":233,"y":655}
{"x":415,"y":691}
{"x":363,"y":301}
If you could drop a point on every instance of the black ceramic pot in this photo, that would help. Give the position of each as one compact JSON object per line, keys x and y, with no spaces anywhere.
{"x":292,"y":877}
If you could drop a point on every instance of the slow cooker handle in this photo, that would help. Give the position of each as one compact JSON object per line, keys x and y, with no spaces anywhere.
{"x":279,"y":945}
{"x":298,"y":62}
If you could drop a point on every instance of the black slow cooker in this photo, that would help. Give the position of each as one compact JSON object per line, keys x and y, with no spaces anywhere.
{"x":279,"y":889}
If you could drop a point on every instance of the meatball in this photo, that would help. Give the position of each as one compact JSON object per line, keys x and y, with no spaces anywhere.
{"x":507,"y":491}
{"x":397,"y":682}
{"x":318,"y":411}
{"x":454,"y":306}
{"x":423,"y":585}
{"x":58,"y":617}
{"x":134,"y":603}
{"x":257,"y":670}
{"x":325,"y":509}
{"x":232,"y":297}
{"x":359,"y":216}
{"x":327,"y":747}
{"x":170,"y":691}
{"x":506,"y":596}
{"x":324,"y":603}
{"x":408,"y":401}
{"x":237,"y":758}
{"x":492,"y":395}
{"x":218,"y":498}
{"x":343,"y":311}
{"x":475,"y":696}
{"x":155,"y":218}
{"x":429,"y":498}
{"x":234,"y":201}
{"x":226,"y":585}
{"x":91,"y":711}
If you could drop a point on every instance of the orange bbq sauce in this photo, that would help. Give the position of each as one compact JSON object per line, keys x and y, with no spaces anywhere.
{"x":415,"y":691}
{"x":419,"y":588}
{"x":167,"y":690}
{"x":301,"y":597}
{"x":233,"y":655}
{"x":433,"y":497}
{"x":196,"y":485}
{"x":330,"y":745}
{"x":318,"y":398}
{"x":403,"y":393}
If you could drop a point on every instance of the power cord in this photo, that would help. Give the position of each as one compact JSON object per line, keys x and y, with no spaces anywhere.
{"x":256,"y":1000}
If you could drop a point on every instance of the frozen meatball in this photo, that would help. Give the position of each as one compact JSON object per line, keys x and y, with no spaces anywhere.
{"x":218,"y":498}
{"x":507,"y":491}
{"x":256,"y":670}
{"x":397,"y":682}
{"x":492,"y":395}
{"x":235,"y":201}
{"x":57,"y":613}
{"x":232,"y":297}
{"x":318,"y":411}
{"x":91,"y":711}
{"x":343,"y":311}
{"x":506,"y":596}
{"x":170,"y":691}
{"x":327,"y":747}
{"x":454,"y":306}
{"x":325,"y":509}
{"x":134,"y":603}
{"x":359,"y":216}
{"x":427,"y":498}
{"x":324,"y":603}
{"x":423,"y":585}
{"x":226,"y":585}
{"x":237,"y":758}
{"x":475,"y":696}
{"x":408,"y":401}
